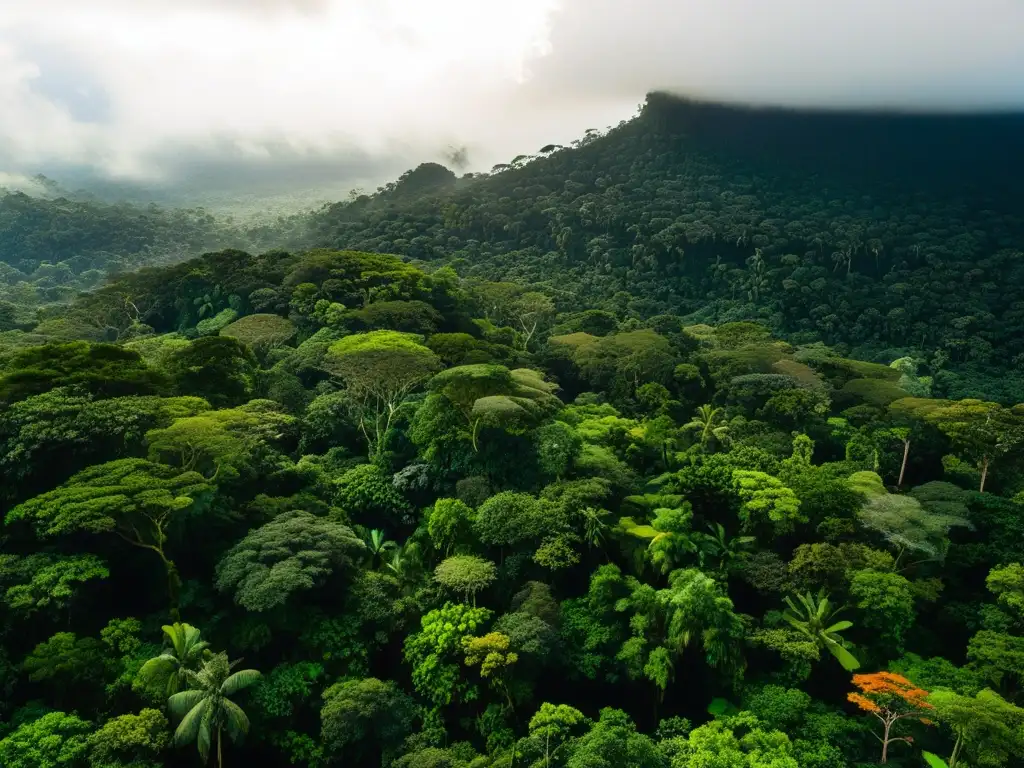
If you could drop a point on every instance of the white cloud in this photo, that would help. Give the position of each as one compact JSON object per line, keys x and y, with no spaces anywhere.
{"x":126,"y":86}
{"x":905,"y":54}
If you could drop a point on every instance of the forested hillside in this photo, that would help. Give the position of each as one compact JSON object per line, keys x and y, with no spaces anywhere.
{"x":53,"y":247}
{"x":337,"y":508}
{"x":883,"y":235}
{"x":886,"y":235}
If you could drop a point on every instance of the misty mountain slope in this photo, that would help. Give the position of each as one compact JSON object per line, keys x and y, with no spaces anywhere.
{"x":53,"y":247}
{"x":885,"y":233}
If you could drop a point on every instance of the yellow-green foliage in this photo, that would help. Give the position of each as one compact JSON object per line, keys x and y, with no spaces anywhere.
{"x":876,"y":392}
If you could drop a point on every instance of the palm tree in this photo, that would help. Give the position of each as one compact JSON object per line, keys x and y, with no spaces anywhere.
{"x":185,"y":654}
{"x":399,"y":564}
{"x":377,"y":543}
{"x":719,"y":546}
{"x":595,"y":526}
{"x":813,"y":618}
{"x":205,"y":710}
{"x":707,"y":423}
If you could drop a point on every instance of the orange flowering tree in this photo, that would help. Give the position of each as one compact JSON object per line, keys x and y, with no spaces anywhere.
{"x":890,"y":698}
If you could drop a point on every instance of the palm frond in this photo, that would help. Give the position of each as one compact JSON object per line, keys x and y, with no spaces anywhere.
{"x":822,"y":609}
{"x":205,"y":736}
{"x":192,"y":635}
{"x":180,"y":704}
{"x":235,"y":719}
{"x":174,"y":635}
{"x":799,"y":626}
{"x":188,"y":728}
{"x":157,"y":666}
{"x":809,"y":603}
{"x":839,"y":626}
{"x":847,"y":659}
{"x":239,"y":680}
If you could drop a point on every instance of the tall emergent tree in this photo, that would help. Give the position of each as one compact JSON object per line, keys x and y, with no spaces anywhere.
{"x":985,"y":432}
{"x":890,"y":698}
{"x":379,"y":369}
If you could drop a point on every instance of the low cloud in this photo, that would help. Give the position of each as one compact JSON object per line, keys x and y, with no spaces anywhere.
{"x":918,"y":55}
{"x":249,"y":94}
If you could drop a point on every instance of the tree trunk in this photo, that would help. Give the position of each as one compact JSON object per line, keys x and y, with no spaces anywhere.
{"x":954,"y":758}
{"x":173,"y":587}
{"x":903,"y":466}
{"x":220,"y":756}
{"x":885,"y":742}
{"x":984,"y":474}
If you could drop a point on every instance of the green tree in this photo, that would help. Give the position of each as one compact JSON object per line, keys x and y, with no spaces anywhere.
{"x":366,"y":716}
{"x":367,"y":496}
{"x":692,"y":612}
{"x":46,"y":582}
{"x":206,"y":710}
{"x":104,"y":370}
{"x":986,"y":727}
{"x":767,"y":498}
{"x":466,"y":574}
{"x":624,"y":361}
{"x":137,"y":500}
{"x":886,"y":601}
{"x":380,"y":369}
{"x":902,"y":520}
{"x":508,"y":518}
{"x":558,"y":445}
{"x":493,"y":654}
{"x":376,"y":544}
{"x":450,"y":525}
{"x":47,"y":438}
{"x":708,"y":426}
{"x":726,"y":552}
{"x":130,"y":740}
{"x":985,"y":432}
{"x":185,"y":652}
{"x":294,"y":551}
{"x":738,"y":742}
{"x":555,"y":724}
{"x":434,"y":652}
{"x":493,"y":396}
{"x":55,"y":740}
{"x":531,"y":311}
{"x":812,"y":616}
{"x":613,"y":741}
{"x":1007,"y":584}
{"x":227,"y":445}
{"x":218,"y":369}
{"x":260,"y":332}
{"x":72,"y":665}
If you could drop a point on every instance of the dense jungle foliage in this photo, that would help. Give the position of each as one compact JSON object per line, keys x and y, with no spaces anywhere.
{"x":326,"y":508}
{"x":697,"y":444}
{"x":883,"y":235}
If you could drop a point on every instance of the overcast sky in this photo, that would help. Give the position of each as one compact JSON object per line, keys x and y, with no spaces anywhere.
{"x":249,"y":94}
